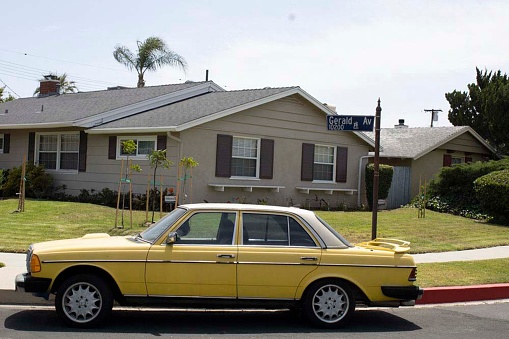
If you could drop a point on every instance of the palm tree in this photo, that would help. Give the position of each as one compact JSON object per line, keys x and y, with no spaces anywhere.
{"x":65,"y":85}
{"x":152,"y":54}
{"x":8,"y":98}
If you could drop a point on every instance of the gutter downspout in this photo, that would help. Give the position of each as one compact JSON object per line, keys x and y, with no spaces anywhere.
{"x":359,"y":181}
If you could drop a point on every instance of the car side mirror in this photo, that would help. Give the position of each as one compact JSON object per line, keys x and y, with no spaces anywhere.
{"x":172,"y":238}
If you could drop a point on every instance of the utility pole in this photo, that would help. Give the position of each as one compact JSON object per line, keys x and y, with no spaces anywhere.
{"x":434,"y":114}
{"x":374,"y":217}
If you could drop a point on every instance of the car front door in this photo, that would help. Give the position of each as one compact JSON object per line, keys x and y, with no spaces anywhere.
{"x":275,"y":255}
{"x":201,"y":262}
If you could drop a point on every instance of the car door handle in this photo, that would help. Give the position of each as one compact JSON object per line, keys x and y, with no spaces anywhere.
{"x":309,"y":258}
{"x":228,"y":256}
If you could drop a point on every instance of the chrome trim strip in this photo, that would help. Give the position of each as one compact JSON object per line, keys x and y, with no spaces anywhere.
{"x":375,"y":266}
{"x":89,"y":261}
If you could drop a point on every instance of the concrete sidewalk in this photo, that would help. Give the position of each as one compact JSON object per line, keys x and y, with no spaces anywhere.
{"x":15,"y":264}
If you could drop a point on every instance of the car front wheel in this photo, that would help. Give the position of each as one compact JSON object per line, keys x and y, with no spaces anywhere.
{"x":329,"y":303}
{"x":83,"y":301}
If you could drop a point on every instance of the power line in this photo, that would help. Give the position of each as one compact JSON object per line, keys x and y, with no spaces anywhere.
{"x":10,"y":88}
{"x":59,"y":60}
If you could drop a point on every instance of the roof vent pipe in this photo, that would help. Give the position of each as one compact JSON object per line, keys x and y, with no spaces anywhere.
{"x":401,"y":124}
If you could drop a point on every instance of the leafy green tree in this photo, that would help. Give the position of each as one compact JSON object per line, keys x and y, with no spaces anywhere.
{"x":485,"y":108}
{"x":152,"y":54}
{"x":66,"y":86}
{"x":9,"y":98}
{"x":157,"y":159}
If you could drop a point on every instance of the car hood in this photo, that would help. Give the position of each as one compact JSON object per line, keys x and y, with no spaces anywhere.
{"x":99,"y":243}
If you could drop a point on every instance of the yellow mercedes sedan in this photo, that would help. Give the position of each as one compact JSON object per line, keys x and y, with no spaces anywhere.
{"x":227,"y":256}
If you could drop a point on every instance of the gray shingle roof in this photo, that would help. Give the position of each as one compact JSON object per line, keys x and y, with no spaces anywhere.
{"x":194,"y":108}
{"x":71,"y":107}
{"x":414,"y":142}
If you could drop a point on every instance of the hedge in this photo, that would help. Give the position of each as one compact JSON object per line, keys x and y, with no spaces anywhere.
{"x":384,"y":182}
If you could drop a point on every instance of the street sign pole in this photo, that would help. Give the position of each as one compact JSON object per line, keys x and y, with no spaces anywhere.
{"x":376,"y":171}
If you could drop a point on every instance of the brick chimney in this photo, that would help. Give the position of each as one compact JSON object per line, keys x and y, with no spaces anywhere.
{"x":50,"y":85}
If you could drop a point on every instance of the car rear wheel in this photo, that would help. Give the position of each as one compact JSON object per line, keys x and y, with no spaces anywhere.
{"x":83,"y":301}
{"x":329,"y":304}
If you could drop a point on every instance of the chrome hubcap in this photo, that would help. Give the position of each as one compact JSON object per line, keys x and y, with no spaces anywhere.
{"x":330,"y":303}
{"x":82,"y":302}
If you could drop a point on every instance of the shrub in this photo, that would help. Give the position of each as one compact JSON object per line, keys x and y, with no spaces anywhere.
{"x":454,"y":186}
{"x":38,"y":183}
{"x":384,"y":182}
{"x":492,"y":190}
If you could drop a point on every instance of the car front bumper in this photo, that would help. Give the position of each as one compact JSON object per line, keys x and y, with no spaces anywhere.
{"x":37,"y":286}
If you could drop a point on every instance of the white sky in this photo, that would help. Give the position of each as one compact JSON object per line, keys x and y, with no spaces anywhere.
{"x":344,"y":53}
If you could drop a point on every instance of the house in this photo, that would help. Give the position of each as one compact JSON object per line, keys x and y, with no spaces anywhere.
{"x":418,"y":154}
{"x":267,"y":145}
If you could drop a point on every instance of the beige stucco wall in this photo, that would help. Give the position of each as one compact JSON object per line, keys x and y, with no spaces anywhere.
{"x":289,"y":122}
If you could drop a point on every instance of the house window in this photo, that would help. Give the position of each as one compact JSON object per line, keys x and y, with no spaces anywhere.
{"x":245,"y":157}
{"x":240,"y":158}
{"x":144,"y":146}
{"x":1,"y":143}
{"x":322,"y":163}
{"x":58,"y":151}
{"x":323,"y":167}
{"x":456,"y":161}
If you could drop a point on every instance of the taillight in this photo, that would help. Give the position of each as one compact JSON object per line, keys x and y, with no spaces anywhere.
{"x":413,"y":274}
{"x":35,"y":264}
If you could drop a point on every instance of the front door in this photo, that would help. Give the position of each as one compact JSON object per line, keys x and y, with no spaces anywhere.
{"x":201,"y":263}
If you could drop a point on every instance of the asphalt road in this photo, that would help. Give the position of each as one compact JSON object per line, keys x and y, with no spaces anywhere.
{"x":480,"y":320}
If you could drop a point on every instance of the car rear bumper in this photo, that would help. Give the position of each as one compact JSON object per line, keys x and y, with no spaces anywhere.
{"x":38,"y":286}
{"x":405,"y":293}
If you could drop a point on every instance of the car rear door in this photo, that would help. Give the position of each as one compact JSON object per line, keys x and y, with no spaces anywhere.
{"x":275,"y":254}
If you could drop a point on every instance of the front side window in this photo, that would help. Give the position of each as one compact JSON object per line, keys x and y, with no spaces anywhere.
{"x":58,"y":151}
{"x":245,"y":157}
{"x":323,"y":163}
{"x":144,"y":146}
{"x":207,"y":228}
{"x":1,"y":143}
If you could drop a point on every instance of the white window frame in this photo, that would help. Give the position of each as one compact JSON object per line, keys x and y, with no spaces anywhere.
{"x":258,"y":145}
{"x":334,"y":149}
{"x":58,"y":151}
{"x":457,"y":160}
{"x":2,"y":144}
{"x":138,"y":139}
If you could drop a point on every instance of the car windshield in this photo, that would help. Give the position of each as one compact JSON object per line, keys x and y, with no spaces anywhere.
{"x":152,"y":233}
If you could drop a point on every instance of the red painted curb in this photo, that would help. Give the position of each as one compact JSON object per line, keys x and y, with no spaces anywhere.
{"x":451,"y":294}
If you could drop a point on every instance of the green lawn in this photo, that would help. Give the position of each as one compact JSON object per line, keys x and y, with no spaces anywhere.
{"x":463,"y":273}
{"x":49,"y":220}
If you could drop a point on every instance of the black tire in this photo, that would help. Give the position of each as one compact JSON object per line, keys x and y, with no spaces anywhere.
{"x":329,"y":303}
{"x":83,"y":301}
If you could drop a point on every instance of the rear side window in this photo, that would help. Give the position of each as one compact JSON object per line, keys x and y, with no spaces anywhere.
{"x":273,"y":230}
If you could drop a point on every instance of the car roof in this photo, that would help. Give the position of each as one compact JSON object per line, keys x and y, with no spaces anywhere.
{"x":246,"y":207}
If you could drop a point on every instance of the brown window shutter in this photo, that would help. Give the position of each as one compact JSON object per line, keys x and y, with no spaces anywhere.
{"x":447,"y":160}
{"x":112,"y":147}
{"x":341,"y":164}
{"x":161,"y":142}
{"x":224,"y":155}
{"x":31,"y":147}
{"x":308,"y":159}
{"x":468,"y":160}
{"x":82,"y":166}
{"x":266,"y":159}
{"x":7,"y":143}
